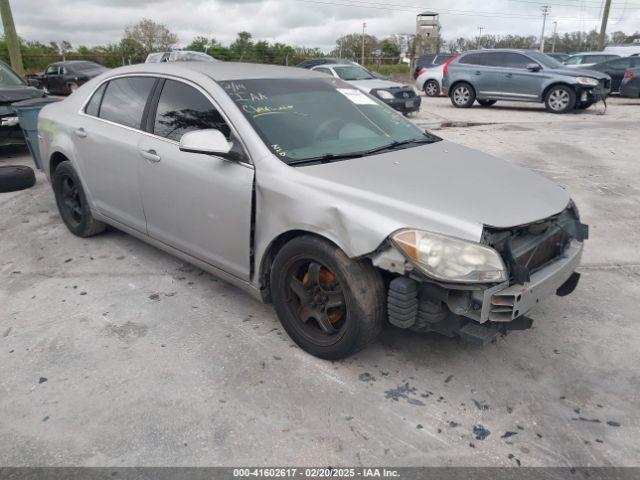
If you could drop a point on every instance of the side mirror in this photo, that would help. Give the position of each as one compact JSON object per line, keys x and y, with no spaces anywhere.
{"x":534,"y":67}
{"x":209,"y":142}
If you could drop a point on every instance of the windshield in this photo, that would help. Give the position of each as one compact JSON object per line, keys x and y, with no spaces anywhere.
{"x":545,"y":60}
{"x":8,"y":78}
{"x":316,"y":119}
{"x":353,"y":73}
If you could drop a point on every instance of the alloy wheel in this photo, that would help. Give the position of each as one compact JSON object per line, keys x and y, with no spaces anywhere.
{"x":559,"y":99}
{"x":431,"y":89}
{"x":317,"y":301}
{"x":71,"y":200}
{"x":461,"y":95}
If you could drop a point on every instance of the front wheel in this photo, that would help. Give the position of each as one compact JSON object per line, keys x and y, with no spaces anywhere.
{"x":463,"y":95}
{"x":330,"y":305}
{"x":486,"y":103}
{"x":560,"y":99}
{"x":72,"y":202}
{"x":431,"y":88}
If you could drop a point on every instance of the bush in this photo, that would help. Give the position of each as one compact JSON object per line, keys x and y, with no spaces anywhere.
{"x":398,"y":68}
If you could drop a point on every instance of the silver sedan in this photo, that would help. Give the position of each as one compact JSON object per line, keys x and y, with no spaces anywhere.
{"x":312,"y":195}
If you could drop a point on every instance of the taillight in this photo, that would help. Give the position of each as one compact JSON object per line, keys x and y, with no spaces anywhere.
{"x":422,"y":70}
{"x":445,"y":66}
{"x":628,"y":74}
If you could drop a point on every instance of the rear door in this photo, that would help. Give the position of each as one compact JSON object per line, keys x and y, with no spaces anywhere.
{"x":199,"y":204}
{"x":106,"y":139}
{"x":476,"y":71}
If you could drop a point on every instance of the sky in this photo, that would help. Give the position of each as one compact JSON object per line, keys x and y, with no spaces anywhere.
{"x":309,"y":23}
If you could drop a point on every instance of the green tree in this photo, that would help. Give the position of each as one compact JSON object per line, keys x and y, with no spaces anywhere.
{"x":242,"y":47}
{"x":151,"y":36}
{"x":389,"y":49}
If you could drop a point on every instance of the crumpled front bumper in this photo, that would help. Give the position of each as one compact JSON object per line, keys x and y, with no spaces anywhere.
{"x":504,"y":303}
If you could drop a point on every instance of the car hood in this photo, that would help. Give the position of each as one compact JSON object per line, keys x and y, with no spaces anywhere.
{"x":17,"y":93}
{"x":441,"y":187}
{"x":368,"y":85}
{"x":580,"y":72}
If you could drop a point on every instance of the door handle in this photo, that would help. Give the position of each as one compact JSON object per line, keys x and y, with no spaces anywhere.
{"x":80,"y":132}
{"x":509,"y":75}
{"x":478,"y":72}
{"x":150,"y":155}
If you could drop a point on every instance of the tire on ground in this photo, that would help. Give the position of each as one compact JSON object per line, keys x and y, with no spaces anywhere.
{"x":86,"y":225}
{"x":431,"y":88}
{"x":362,"y":287}
{"x":16,"y":177}
{"x":560,"y":99}
{"x":462,"y":95}
{"x":486,"y":103}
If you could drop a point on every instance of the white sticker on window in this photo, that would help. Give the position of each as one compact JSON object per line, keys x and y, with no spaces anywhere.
{"x":356,"y":96}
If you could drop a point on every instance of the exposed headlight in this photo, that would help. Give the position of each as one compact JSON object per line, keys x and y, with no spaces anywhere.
{"x":384,"y":94}
{"x":587,"y":81}
{"x":450,"y":259}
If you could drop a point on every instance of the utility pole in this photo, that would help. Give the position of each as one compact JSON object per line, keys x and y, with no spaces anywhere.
{"x":364,"y":25}
{"x":603,"y":25}
{"x":480,"y":36}
{"x":545,"y":11}
{"x":553,"y":43}
{"x":11,"y":37}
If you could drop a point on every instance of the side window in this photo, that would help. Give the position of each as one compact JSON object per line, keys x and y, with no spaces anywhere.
{"x":473,"y":59}
{"x":324,"y":70}
{"x":575,"y":60}
{"x":619,"y":63}
{"x":634,"y":62}
{"x":515,"y":60}
{"x":182,"y":108}
{"x":51,"y":70}
{"x":495,"y":59}
{"x":93,"y":107}
{"x":124,"y":100}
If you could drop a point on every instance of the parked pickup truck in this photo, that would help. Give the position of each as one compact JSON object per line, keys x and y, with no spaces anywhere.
{"x":63,"y":78}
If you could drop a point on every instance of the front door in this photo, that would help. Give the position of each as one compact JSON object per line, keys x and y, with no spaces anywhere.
{"x":53,"y":79}
{"x":106,"y":139}
{"x":199,"y":204}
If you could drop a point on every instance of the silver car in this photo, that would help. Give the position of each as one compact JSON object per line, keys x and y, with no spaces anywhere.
{"x":312,"y":195}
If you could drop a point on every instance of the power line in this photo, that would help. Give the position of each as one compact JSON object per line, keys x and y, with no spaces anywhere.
{"x":413,"y":8}
{"x":599,"y":7}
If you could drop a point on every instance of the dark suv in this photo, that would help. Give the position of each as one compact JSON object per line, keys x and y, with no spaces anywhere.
{"x":487,"y":76}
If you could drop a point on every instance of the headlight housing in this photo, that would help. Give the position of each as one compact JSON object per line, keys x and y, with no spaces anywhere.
{"x":450,"y":259}
{"x":384,"y":94}
{"x":592,"y":82}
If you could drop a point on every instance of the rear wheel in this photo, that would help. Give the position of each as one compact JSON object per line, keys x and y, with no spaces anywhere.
{"x":330,"y":305}
{"x":72,"y":87}
{"x":431,"y":88}
{"x":462,"y":95}
{"x":72,"y":202}
{"x":560,"y":99}
{"x":486,"y":103}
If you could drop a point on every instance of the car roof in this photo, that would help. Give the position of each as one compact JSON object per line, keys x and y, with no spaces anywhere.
{"x":219,"y":71}
{"x":72,"y":62}
{"x":333,"y":65}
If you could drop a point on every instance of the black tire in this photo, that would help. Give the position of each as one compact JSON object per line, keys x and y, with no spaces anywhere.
{"x":560,"y":99}
{"x":72,"y":202}
{"x":312,"y":278}
{"x":431,"y":88}
{"x":16,"y":177}
{"x":486,"y":103}
{"x":462,"y":95}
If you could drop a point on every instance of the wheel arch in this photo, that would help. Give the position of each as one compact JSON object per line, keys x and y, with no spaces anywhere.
{"x":56,"y":159}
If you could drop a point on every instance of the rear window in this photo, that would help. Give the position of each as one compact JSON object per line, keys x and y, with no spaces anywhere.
{"x":93,"y":107}
{"x":124,"y":100}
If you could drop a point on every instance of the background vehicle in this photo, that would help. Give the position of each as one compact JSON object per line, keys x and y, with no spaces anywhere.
{"x":314,"y":62}
{"x":306,"y":192}
{"x":12,"y":89}
{"x":625,"y":50}
{"x":179,"y":56}
{"x":616,"y":68}
{"x":63,"y":78}
{"x":561,"y":57}
{"x":429,"y":60}
{"x":585,"y":60}
{"x":430,"y":80}
{"x":398,"y":96}
{"x":630,"y":85}
{"x":487,"y":76}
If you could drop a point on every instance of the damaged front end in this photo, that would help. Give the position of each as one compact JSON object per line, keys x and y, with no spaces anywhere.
{"x":539,"y":259}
